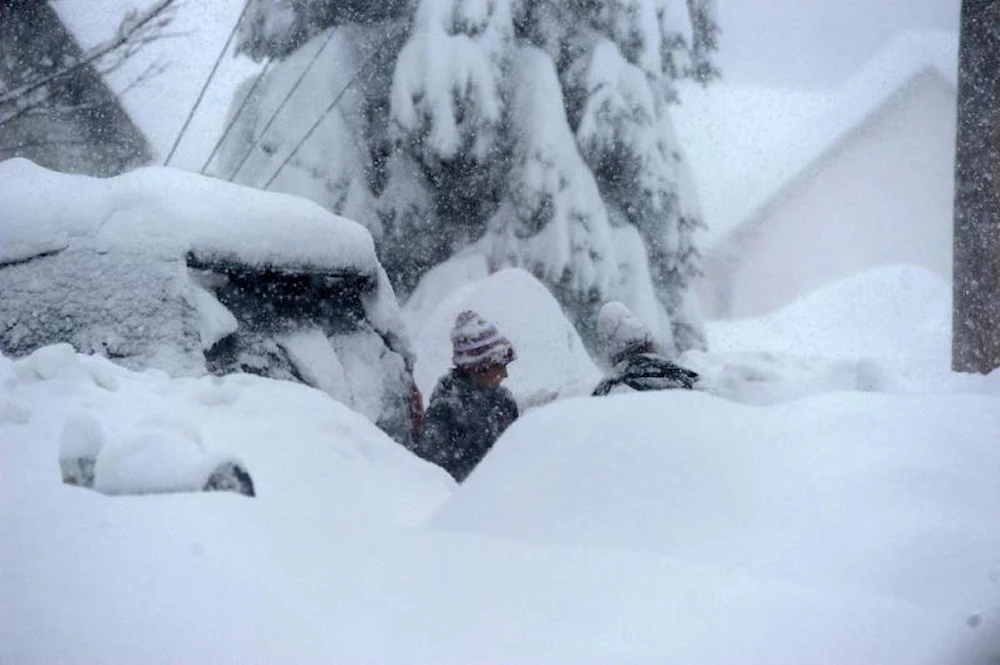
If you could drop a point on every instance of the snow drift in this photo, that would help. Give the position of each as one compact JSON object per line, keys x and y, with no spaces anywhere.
{"x":851,"y":526}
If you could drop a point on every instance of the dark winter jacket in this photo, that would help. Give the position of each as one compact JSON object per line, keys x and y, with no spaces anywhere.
{"x":647,"y":371}
{"x":462,"y":423}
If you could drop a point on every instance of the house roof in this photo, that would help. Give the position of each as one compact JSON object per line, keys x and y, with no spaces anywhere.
{"x":745,"y":144}
{"x":80,"y":125}
{"x":160,"y":106}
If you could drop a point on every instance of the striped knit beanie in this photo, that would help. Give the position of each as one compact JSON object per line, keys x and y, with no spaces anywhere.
{"x":476,"y":341}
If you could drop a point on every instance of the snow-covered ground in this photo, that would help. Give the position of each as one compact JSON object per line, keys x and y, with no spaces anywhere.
{"x":846,"y":514}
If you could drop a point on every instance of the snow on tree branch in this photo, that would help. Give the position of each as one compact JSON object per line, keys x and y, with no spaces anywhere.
{"x":446,"y":87}
{"x":555,"y":224}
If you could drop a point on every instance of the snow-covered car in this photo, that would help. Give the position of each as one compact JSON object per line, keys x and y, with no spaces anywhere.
{"x":164,"y":269}
{"x":155,"y":456}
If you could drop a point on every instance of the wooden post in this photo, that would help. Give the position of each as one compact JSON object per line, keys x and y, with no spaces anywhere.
{"x":976,"y":289}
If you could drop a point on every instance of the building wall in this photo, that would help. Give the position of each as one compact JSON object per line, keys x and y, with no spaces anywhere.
{"x":883,"y":195}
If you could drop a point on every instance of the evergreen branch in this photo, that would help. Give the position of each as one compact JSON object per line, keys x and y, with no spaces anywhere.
{"x":148,"y":74}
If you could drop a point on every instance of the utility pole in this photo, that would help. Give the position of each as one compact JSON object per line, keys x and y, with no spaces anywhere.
{"x":976,"y":289}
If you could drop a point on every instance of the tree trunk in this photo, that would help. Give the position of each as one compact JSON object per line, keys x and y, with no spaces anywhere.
{"x":976,"y":290}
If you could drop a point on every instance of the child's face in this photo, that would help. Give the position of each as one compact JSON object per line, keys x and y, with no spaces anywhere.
{"x":490,"y":377}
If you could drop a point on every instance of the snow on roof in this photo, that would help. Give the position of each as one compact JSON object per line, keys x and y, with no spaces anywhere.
{"x":746,"y":143}
{"x":160,"y":106}
{"x":172,"y":212}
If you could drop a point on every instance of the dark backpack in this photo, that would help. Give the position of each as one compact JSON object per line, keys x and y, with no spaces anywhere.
{"x":647,"y":371}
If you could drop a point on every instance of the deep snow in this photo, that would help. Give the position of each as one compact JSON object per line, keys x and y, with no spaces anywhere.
{"x":855,"y":524}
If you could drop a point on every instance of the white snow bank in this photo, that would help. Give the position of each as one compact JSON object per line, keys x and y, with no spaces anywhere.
{"x":899,"y":313}
{"x":667,"y":527}
{"x":886,"y":494}
{"x":169,"y":213}
{"x":214,"y":321}
{"x":10,"y":412}
{"x":155,"y":455}
{"x":550,"y":355}
{"x":887,"y":329}
{"x":82,"y":437}
{"x":33,"y":223}
{"x":309,"y":456}
{"x":313,"y":570}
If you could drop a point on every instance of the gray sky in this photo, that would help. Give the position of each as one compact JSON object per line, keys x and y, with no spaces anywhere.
{"x":817,"y":42}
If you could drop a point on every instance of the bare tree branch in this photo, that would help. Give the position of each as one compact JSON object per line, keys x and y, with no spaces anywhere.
{"x":147,"y":75}
{"x":24,"y":108}
{"x":40,"y":110}
{"x":136,"y":30}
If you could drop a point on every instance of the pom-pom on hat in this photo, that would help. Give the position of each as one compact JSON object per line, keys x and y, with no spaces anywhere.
{"x":620,"y":332}
{"x":477,"y":342}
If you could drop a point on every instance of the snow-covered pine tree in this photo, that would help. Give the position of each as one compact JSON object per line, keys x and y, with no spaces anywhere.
{"x":447,"y":116}
{"x":536,"y":132}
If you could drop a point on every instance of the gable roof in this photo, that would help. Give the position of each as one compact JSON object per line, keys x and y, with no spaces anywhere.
{"x":746,"y":144}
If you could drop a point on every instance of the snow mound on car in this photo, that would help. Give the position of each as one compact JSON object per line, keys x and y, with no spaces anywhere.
{"x":313,"y":461}
{"x":170,"y":212}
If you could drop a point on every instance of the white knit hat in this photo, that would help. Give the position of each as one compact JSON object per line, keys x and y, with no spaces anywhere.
{"x":476,"y":341}
{"x":619,"y":331}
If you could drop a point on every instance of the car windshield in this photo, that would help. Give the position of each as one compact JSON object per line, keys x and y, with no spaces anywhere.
{"x":270,"y":299}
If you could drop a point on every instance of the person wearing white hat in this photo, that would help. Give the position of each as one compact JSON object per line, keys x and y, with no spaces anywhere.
{"x":469,"y":409}
{"x":631,"y":352}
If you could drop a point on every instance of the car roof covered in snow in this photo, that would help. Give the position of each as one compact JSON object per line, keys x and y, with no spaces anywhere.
{"x":173,"y":213}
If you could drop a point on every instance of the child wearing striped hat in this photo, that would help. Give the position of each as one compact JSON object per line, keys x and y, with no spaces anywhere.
{"x":469,"y":409}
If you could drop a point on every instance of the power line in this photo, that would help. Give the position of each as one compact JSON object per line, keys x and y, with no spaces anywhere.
{"x":204,"y":87}
{"x":236,"y":116}
{"x":281,"y":106}
{"x":350,"y":82}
